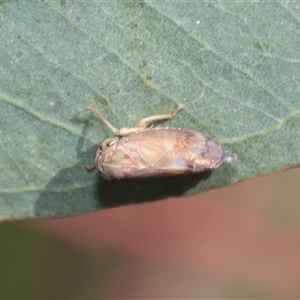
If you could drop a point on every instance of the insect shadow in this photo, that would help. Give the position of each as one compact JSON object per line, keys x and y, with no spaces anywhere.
{"x":138,"y":190}
{"x":73,"y":190}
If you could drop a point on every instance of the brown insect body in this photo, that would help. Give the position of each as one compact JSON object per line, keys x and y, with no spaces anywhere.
{"x":159,"y":152}
{"x":153,"y":152}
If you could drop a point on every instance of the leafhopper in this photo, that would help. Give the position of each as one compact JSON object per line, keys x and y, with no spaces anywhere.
{"x":153,"y":152}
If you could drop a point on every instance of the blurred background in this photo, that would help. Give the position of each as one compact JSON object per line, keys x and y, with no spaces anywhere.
{"x":242,"y":241}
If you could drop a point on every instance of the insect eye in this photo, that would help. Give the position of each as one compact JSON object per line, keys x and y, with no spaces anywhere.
{"x":107,"y":143}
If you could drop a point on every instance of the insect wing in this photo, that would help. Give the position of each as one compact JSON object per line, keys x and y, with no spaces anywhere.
{"x":162,"y":152}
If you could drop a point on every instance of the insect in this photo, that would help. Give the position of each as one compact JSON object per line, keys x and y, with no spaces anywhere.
{"x":153,"y":152}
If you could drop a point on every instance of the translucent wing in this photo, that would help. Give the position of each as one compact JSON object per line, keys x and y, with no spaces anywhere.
{"x":162,"y":152}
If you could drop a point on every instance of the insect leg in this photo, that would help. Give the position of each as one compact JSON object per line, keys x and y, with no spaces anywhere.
{"x":104,"y":120}
{"x":144,"y":122}
{"x":90,"y":168}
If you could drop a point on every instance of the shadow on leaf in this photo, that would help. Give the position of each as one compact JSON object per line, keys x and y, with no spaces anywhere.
{"x":120,"y":192}
{"x":75,"y":191}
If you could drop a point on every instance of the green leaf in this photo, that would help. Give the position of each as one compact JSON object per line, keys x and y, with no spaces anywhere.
{"x":234,"y":66}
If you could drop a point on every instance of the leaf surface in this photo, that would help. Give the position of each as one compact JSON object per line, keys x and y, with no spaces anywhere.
{"x":234,"y":66}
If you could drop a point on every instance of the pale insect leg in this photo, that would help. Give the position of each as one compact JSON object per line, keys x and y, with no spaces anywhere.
{"x":144,"y":122}
{"x":90,"y":168}
{"x":104,"y":120}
